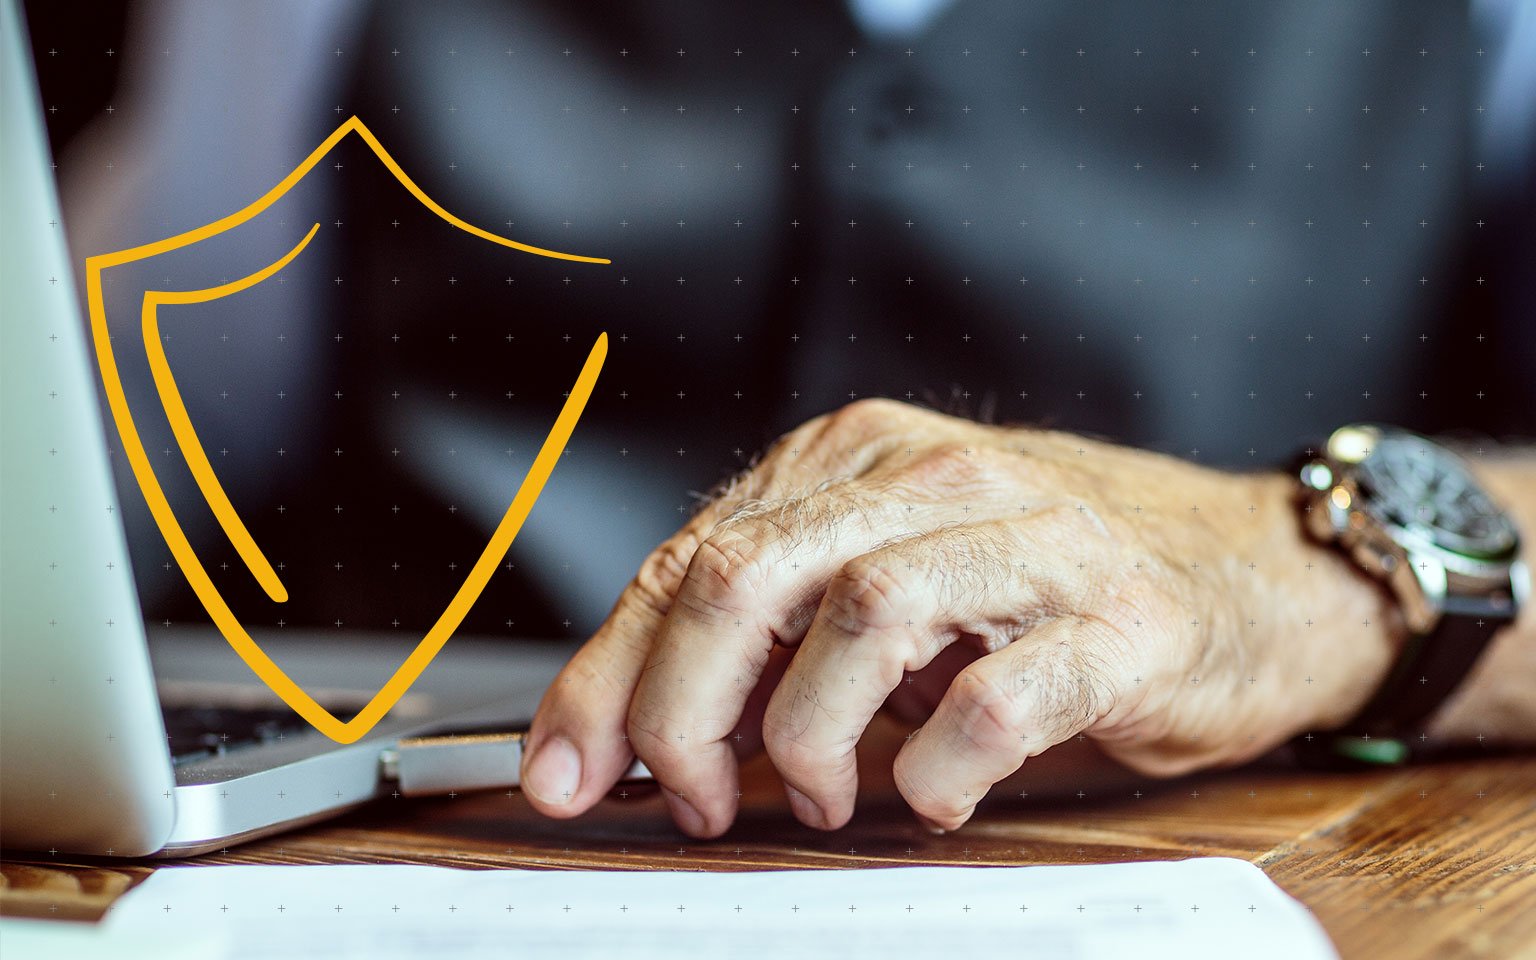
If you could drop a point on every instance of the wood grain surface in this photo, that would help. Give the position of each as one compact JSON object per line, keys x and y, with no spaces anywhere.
{"x":1430,"y":862}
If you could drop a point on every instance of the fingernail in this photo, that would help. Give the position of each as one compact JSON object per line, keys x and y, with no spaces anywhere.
{"x":805,"y":808}
{"x":692,"y":822}
{"x":553,"y":773}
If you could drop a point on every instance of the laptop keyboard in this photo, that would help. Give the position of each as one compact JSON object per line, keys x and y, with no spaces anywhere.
{"x":200,"y":732}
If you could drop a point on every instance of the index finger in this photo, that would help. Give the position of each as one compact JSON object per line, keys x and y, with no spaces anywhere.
{"x":753,"y":582}
{"x":578,"y":746}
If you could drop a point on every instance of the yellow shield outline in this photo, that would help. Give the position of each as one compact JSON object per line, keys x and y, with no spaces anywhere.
{"x":149,"y":485}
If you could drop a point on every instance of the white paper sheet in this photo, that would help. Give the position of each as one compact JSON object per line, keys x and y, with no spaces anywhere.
{"x":1185,"y":910}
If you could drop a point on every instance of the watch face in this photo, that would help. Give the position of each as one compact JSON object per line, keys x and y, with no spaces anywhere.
{"x":1416,"y":485}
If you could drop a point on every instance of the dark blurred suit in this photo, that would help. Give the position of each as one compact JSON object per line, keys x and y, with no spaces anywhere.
{"x":1111,"y":218}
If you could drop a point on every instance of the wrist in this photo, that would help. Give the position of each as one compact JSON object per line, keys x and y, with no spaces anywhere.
{"x":1494,"y":703}
{"x":1336,"y":630}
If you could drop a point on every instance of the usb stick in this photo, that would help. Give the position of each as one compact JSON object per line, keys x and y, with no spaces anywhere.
{"x":458,"y":763}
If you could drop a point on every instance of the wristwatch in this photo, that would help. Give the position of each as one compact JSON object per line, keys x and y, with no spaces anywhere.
{"x":1409,"y":512}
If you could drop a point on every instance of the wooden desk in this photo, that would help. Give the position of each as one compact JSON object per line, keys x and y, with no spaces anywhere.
{"x":1431,"y":862}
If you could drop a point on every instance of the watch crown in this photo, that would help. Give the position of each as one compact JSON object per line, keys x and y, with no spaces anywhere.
{"x":1352,"y":444}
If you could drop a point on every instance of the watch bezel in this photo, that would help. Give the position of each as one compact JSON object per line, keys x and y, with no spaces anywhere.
{"x":1497,"y":546}
{"x":1420,"y":569}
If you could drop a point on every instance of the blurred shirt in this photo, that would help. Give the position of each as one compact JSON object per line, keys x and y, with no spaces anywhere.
{"x":1217,"y":236}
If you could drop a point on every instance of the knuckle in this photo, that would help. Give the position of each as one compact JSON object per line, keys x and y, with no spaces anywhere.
{"x":589,"y":682}
{"x":655,"y":738}
{"x":993,"y":711}
{"x":663,"y":572}
{"x":867,"y":415}
{"x":805,"y":431}
{"x":860,"y":423}
{"x":867,"y":595}
{"x":726,"y":570}
{"x":1059,"y":693}
{"x":949,"y":466}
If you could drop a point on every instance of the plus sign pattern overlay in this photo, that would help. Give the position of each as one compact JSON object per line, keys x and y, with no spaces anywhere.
{"x":1216,"y":239}
{"x":1219,"y":249}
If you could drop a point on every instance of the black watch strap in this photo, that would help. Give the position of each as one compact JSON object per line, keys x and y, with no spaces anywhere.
{"x":1388,"y":729}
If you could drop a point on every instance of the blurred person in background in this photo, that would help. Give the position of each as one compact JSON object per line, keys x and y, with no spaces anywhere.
{"x":1217,"y":237}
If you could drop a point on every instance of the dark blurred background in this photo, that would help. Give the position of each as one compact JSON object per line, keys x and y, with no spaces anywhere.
{"x":1212,"y":230}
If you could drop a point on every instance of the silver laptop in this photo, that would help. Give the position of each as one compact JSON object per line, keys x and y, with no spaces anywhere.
{"x":118,"y":742}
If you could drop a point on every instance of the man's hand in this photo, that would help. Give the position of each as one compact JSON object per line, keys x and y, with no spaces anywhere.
{"x":1012,"y":587}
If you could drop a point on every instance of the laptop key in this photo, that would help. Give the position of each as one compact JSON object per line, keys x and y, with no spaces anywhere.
{"x":198,"y":732}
